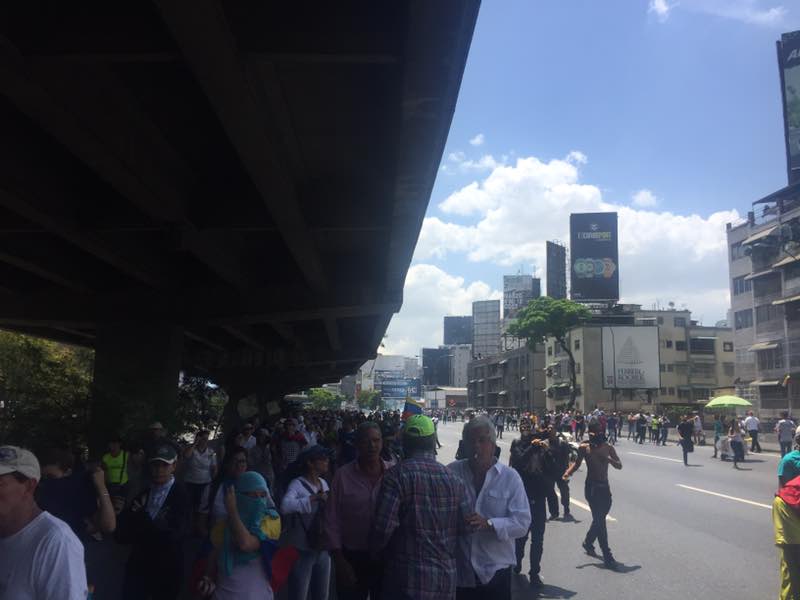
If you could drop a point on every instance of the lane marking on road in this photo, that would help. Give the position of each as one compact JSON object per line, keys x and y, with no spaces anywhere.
{"x":658,"y":457}
{"x":710,"y":493}
{"x":585,"y":507}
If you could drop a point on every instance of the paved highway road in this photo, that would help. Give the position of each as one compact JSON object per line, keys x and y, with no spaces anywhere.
{"x":681,"y":532}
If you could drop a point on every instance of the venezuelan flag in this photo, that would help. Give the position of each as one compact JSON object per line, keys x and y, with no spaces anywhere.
{"x":411,"y":408}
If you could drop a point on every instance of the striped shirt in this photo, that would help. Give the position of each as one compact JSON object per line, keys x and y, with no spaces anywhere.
{"x":420,"y":513}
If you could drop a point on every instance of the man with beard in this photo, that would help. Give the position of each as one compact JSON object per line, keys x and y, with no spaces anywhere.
{"x":598,"y":455}
{"x":532,"y":459}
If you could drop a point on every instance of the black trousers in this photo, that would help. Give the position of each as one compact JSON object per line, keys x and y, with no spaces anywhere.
{"x":754,"y":445}
{"x":640,"y":434}
{"x":598,"y":495}
{"x":368,"y":577}
{"x":498,"y":588}
{"x":552,"y":499}
{"x":537,"y":536}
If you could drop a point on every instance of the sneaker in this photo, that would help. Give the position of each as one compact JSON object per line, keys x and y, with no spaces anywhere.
{"x":610,"y":563}
{"x":589,"y":549}
{"x":553,"y":516}
{"x":567,"y":514}
{"x":536,"y":581}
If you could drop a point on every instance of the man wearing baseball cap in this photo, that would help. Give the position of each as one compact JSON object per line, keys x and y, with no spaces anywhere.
{"x":40,"y":556}
{"x":419,"y":515}
{"x":155,"y":525}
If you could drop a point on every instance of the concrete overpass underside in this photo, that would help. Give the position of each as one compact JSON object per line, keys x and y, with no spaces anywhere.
{"x":230,"y":188}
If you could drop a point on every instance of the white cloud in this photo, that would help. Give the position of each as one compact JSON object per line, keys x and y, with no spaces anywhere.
{"x":478,"y":140}
{"x":516,"y":208}
{"x":430,"y":293}
{"x":577,"y":158}
{"x":764,"y":13}
{"x":486,"y":162}
{"x":644,"y":199}
{"x":661,"y":9}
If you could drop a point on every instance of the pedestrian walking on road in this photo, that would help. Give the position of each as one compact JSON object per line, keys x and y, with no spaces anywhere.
{"x":751,"y":424}
{"x":500,"y":513}
{"x":420,"y":512}
{"x":560,"y":449}
{"x":718,"y":427}
{"x":663,"y":424}
{"x":737,"y":442}
{"x":641,"y":427}
{"x":532,"y":458}
{"x":598,"y":455}
{"x":785,"y":429}
{"x":685,"y":431}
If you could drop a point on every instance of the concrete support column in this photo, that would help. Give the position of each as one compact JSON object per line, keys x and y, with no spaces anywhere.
{"x":136,"y":372}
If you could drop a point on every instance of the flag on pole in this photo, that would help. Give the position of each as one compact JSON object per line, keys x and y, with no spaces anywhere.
{"x":412,"y":407}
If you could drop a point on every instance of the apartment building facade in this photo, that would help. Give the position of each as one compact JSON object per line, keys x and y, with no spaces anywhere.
{"x":512,"y":380}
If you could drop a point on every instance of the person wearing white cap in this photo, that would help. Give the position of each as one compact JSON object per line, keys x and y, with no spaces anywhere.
{"x":42,"y":559}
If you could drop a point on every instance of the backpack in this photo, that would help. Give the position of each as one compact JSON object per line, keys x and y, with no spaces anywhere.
{"x":790,"y":494}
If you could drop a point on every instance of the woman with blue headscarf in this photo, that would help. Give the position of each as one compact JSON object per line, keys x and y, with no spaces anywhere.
{"x":246,"y":542}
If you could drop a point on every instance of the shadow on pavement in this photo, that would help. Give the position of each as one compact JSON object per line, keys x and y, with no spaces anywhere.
{"x":621,"y":567}
{"x":555,"y":592}
{"x":695,"y":465}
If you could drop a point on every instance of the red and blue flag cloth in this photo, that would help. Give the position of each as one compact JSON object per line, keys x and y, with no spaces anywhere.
{"x":412,"y":407}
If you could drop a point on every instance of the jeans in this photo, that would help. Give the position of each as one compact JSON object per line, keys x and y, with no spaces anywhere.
{"x":640,"y":435}
{"x":498,"y":588}
{"x":754,"y":445}
{"x":368,"y":577}
{"x":552,"y":499}
{"x":537,"y":536}
{"x":786,"y":447}
{"x":310,"y":576}
{"x":664,"y":432}
{"x":598,"y":495}
{"x":612,"y":435}
{"x":738,"y":451}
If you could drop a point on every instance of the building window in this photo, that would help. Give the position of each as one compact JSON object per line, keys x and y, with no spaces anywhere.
{"x":680,"y":346}
{"x":669,"y":343}
{"x":766,"y":313}
{"x":681,"y":368}
{"x":577,"y":368}
{"x":728,"y":369}
{"x":670,"y":368}
{"x":737,"y":251}
{"x":679,"y":321}
{"x":662,"y":367}
{"x":765,"y":286}
{"x":660,"y":320}
{"x":741,"y":285}
{"x":663,"y":391}
{"x":701,"y":394}
{"x":702,"y":345}
{"x":770,"y":359}
{"x":683,"y":394}
{"x":671,"y":391}
{"x":792,"y":271}
{"x":577,"y":344}
{"x":794,"y":354}
{"x":704,"y":370}
{"x":727,"y":346}
{"x":743,"y":318}
{"x":549,"y":351}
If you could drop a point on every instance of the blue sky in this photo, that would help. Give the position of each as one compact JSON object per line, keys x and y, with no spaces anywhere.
{"x":667,"y":112}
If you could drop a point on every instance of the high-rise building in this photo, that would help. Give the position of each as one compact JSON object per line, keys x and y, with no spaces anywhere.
{"x":460,"y":356}
{"x":512,"y":380}
{"x":485,"y":328}
{"x":518,"y":290}
{"x":436,"y":366}
{"x":765,"y":298}
{"x":556,"y":270}
{"x":457,"y":330}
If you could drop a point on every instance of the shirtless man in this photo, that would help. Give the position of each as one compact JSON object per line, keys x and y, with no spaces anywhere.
{"x":598,"y":455}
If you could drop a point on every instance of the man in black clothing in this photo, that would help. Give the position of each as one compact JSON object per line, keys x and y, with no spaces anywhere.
{"x":685,"y":430}
{"x":641,"y":427}
{"x":531,"y":458}
{"x":560,"y":450}
{"x":155,"y":525}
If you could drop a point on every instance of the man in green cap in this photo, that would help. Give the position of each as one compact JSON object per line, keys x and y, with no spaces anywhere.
{"x":415,"y":536}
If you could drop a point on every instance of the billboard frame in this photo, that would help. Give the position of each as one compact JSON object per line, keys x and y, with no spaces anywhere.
{"x":616,"y":387}
{"x":573,"y":257}
{"x":792,"y":174}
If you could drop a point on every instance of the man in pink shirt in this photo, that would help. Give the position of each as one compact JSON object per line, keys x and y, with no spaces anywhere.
{"x":349,"y":514}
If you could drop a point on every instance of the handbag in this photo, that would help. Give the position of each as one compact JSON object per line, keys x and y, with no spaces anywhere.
{"x":304,"y":533}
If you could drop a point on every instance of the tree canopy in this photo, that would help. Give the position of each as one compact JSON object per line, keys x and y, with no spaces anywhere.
{"x":545,"y":317}
{"x":324,"y":399}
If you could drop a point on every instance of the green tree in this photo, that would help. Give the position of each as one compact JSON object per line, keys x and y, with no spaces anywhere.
{"x":368,"y":399}
{"x":545,"y":317}
{"x":44,"y":391}
{"x":200,"y":403}
{"x":324,"y":399}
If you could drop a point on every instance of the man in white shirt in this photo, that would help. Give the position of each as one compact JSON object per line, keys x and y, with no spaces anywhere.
{"x":502,"y":514}
{"x":249,"y":438}
{"x":40,"y":556}
{"x":785,"y":430}
{"x":751,"y":424}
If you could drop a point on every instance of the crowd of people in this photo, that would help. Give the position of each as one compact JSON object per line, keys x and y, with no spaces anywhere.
{"x":317,"y":501}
